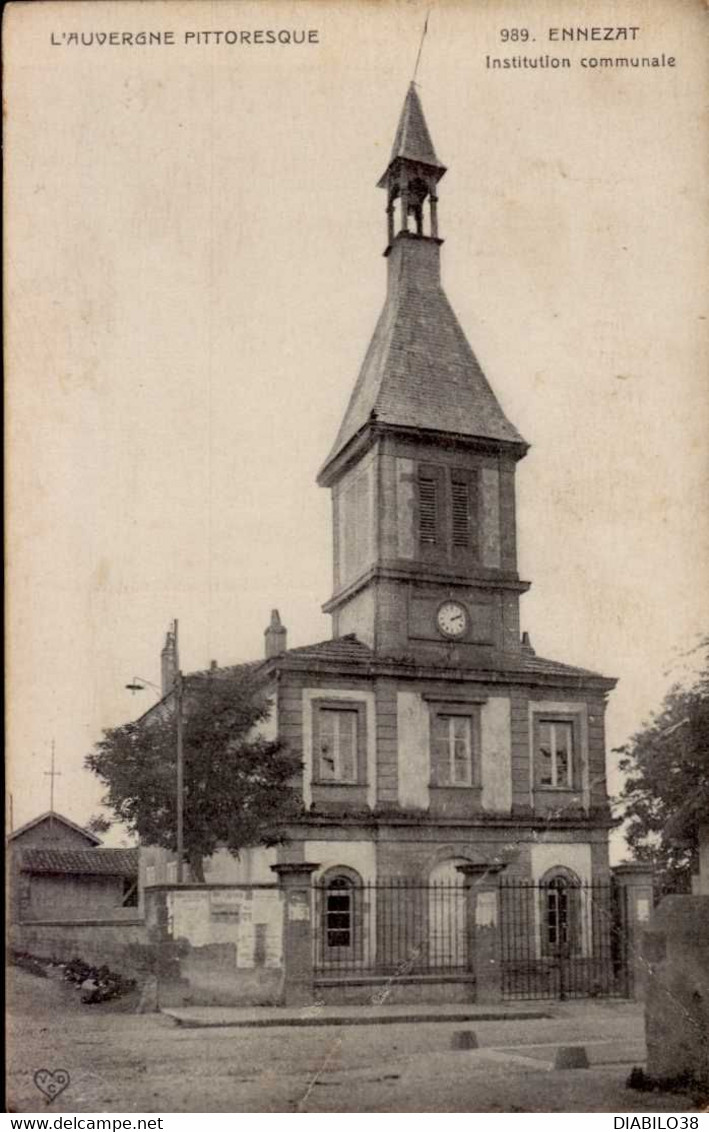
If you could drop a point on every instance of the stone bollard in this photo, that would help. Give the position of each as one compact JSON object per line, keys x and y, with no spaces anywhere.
{"x":571,"y":1057}
{"x":464,"y":1039}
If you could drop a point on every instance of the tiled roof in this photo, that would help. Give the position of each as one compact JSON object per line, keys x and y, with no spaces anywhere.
{"x":532,"y":663}
{"x":82,"y":862}
{"x":243,"y":669}
{"x":60,"y":820}
{"x":350,"y":650}
{"x":419,"y":371}
{"x":413,"y":141}
{"x":347,"y":648}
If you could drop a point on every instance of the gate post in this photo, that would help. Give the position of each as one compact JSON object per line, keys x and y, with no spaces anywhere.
{"x":482,"y":881}
{"x":635,"y":883}
{"x":294,"y":879}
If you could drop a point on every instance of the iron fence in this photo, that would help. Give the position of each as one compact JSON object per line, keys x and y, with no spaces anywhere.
{"x":562,"y":940}
{"x":396,"y":926}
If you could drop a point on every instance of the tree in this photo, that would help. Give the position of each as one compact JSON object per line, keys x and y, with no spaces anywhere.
{"x":666,"y":794}
{"x":98,"y":824}
{"x":237,"y":784}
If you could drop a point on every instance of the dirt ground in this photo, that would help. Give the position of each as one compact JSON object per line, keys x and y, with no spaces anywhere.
{"x":120,"y":1061}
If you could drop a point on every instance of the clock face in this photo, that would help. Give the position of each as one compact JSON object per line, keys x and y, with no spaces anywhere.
{"x":452,"y":619}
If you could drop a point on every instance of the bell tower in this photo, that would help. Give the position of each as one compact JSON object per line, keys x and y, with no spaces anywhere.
{"x":412,"y":174}
{"x":422,"y":471}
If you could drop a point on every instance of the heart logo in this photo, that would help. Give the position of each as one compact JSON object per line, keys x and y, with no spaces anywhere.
{"x":51,"y":1083}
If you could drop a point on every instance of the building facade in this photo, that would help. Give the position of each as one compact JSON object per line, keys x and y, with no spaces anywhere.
{"x":431,"y":735}
{"x":430,"y":731}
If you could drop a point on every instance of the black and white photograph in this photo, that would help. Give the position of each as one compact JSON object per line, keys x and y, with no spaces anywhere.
{"x":357,"y":455}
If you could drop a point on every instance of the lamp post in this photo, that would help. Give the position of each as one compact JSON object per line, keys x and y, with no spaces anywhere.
{"x":178,"y":687}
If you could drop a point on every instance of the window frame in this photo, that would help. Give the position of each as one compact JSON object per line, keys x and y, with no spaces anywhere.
{"x":452,"y":709}
{"x":359,"y":710}
{"x":555,"y":719}
{"x":561,"y":890}
{"x":342,"y":879}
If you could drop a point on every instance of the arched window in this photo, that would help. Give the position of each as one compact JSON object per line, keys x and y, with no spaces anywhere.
{"x":341,"y":915}
{"x":560,"y":890}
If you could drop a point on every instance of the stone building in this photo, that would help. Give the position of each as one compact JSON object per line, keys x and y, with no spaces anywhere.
{"x":59,"y":872}
{"x":428,"y":727}
{"x":431,"y":734}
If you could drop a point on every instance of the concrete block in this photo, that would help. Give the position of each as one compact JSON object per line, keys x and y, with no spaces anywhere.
{"x":571,"y":1057}
{"x":464,"y":1039}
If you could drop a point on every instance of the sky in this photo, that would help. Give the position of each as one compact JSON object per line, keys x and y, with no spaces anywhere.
{"x":193,"y":273}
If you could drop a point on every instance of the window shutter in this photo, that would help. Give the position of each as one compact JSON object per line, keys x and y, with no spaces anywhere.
{"x":460,"y":503}
{"x":428,"y":509}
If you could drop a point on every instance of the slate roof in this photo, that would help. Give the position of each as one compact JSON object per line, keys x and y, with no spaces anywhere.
{"x":412,"y":140}
{"x":420,"y":371}
{"x":81,"y":862}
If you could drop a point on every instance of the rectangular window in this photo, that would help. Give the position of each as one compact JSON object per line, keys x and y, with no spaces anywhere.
{"x":460,"y":504}
{"x":452,"y":750}
{"x":555,"y":740}
{"x":337,"y":745}
{"x":130,"y":892}
{"x":428,"y":509}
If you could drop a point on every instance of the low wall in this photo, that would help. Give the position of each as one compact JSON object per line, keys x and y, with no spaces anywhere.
{"x":676,"y":955}
{"x":121,"y":945}
{"x":399,"y":990}
{"x":218,"y":944}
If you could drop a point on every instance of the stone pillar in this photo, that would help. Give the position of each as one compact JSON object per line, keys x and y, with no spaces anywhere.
{"x":482,"y":881}
{"x":635,"y":884}
{"x":295,"y":880}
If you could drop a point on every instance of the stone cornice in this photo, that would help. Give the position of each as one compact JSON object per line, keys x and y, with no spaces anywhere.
{"x":494,"y":580}
{"x":372,"y":430}
{"x":413,"y":670}
{"x":377,"y":820}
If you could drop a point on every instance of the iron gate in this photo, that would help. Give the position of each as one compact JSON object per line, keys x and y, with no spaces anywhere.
{"x":563,"y":940}
{"x":389,"y":927}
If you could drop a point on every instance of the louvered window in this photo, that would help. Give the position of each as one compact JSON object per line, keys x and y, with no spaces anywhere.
{"x":460,"y":497}
{"x":427,"y":509}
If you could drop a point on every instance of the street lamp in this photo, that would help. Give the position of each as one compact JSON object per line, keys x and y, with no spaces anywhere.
{"x":178,"y":689}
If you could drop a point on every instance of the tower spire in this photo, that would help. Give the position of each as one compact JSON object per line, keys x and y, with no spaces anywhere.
{"x":413,"y":172}
{"x":418,"y":57}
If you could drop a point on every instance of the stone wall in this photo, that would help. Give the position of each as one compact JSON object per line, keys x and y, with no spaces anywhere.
{"x":216,"y":944}
{"x":121,"y":945}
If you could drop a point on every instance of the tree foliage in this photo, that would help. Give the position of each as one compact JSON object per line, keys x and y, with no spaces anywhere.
{"x":237,"y":784}
{"x":666,"y":794}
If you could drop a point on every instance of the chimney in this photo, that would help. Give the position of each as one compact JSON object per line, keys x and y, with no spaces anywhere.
{"x":527,"y":645}
{"x":275,"y":636}
{"x":168,"y":662}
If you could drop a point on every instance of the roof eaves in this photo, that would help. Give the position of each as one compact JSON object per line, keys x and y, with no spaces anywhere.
{"x":57,"y":817}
